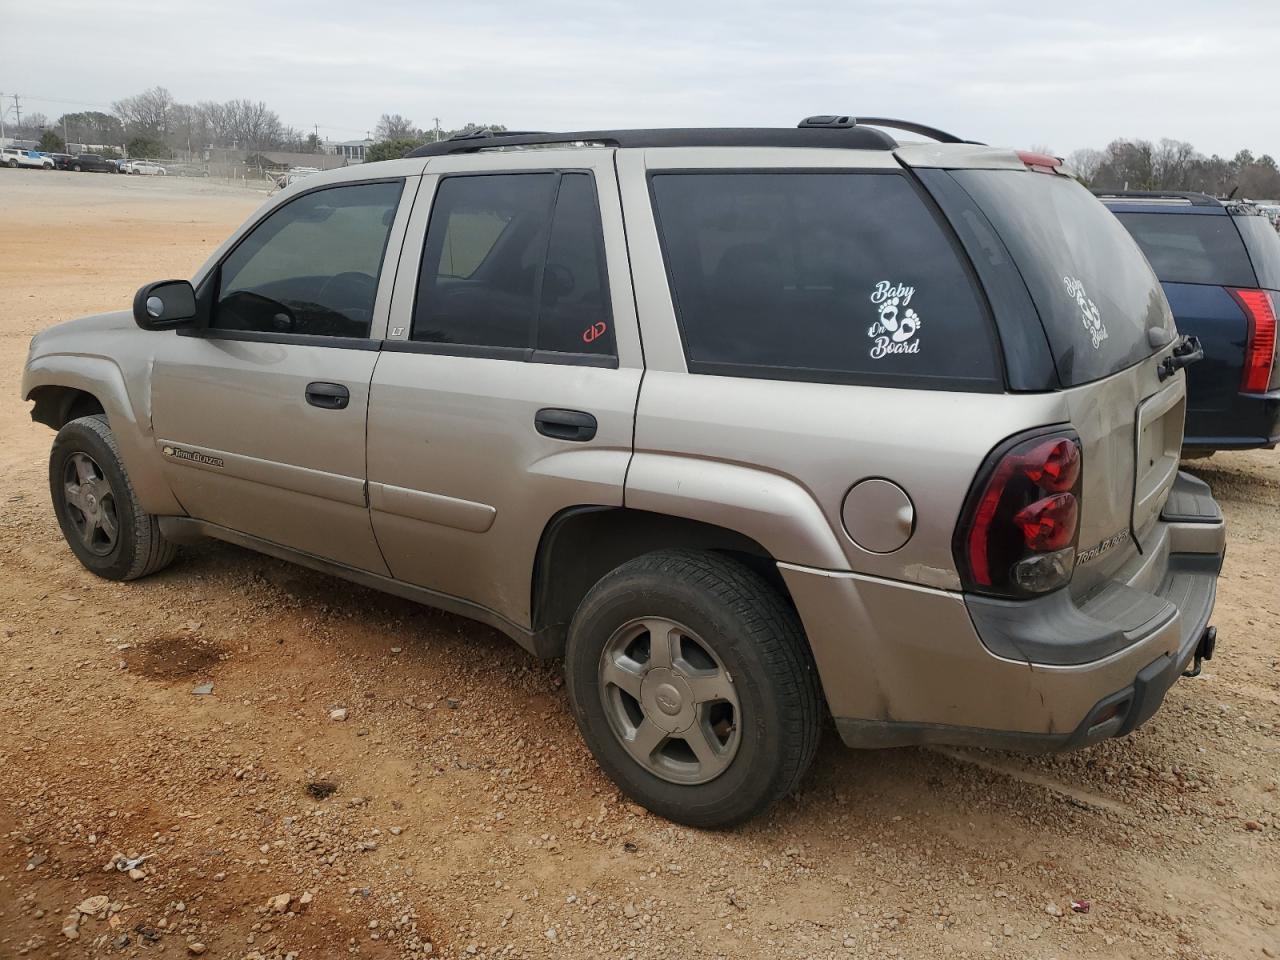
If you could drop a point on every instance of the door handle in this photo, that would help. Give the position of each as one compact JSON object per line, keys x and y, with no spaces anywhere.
{"x":565,"y":424}
{"x":328,"y":396}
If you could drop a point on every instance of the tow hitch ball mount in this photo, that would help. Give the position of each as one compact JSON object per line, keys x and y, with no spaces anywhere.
{"x":1204,"y":650}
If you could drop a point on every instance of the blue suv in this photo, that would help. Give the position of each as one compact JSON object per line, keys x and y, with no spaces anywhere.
{"x":1219,"y":264}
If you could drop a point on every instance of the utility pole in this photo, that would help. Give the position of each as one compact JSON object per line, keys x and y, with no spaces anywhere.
{"x":66,"y":143}
{"x":437,"y":122}
{"x":2,"y":113}
{"x":17,"y":108}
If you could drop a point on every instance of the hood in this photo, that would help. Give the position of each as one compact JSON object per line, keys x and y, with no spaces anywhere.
{"x":63,"y":337}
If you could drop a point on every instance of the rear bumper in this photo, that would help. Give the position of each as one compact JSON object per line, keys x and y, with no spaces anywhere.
{"x":1252,"y":421}
{"x":902,"y":664}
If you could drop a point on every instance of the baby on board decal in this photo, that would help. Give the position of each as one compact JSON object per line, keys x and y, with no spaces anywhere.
{"x":895,"y":329}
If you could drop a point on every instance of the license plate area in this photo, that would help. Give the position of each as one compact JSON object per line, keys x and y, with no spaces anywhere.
{"x":1157,"y":452}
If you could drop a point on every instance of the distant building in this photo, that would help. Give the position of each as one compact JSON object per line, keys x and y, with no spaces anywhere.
{"x":351,"y":151}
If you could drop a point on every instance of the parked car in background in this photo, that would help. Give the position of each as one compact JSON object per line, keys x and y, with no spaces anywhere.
{"x":124,"y":166}
{"x":1219,"y":264}
{"x":62,"y":161}
{"x":93,"y":163}
{"x":902,"y":443}
{"x":17,"y":157}
{"x":146,"y":168}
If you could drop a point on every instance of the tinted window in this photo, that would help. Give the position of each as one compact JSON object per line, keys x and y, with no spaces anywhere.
{"x":1264,"y":248}
{"x":575,"y":315}
{"x":838,"y":277}
{"x":515,"y":261}
{"x":1191,"y":248}
{"x":312,"y":266}
{"x":1094,"y":291}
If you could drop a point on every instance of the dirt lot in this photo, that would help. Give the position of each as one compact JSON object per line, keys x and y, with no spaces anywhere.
{"x":465,"y":814}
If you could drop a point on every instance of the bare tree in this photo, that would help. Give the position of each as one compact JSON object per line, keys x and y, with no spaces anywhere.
{"x":1085,"y":163}
{"x":147,"y":113}
{"x":1173,"y":164}
{"x":393,"y":126}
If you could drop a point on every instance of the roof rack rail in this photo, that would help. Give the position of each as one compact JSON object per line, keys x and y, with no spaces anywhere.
{"x":853,"y":137}
{"x":828,"y":121}
{"x":1194,"y":197}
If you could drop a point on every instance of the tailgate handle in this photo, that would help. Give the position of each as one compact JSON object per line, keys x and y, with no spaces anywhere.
{"x":1187,"y":352}
{"x":565,"y":424}
{"x":328,"y":396}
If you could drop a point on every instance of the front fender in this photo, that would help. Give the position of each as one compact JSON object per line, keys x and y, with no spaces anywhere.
{"x":130,"y":417}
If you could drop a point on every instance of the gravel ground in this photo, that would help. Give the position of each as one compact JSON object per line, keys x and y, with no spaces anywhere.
{"x":453,"y":812}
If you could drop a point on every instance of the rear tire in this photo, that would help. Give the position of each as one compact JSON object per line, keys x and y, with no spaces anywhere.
{"x":96,"y":507}
{"x":723,"y":724}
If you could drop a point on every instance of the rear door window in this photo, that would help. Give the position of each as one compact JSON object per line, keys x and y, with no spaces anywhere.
{"x":1095,"y":292}
{"x":515,"y":263}
{"x":1191,"y":248}
{"x":836,"y":277}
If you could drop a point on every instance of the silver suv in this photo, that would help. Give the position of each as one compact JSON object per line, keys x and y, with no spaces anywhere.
{"x":748,"y":425}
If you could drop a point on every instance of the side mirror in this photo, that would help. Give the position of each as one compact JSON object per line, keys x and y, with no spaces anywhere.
{"x":164,"y":305}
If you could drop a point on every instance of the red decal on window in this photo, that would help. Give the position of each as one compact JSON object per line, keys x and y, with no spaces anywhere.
{"x":594,"y":331}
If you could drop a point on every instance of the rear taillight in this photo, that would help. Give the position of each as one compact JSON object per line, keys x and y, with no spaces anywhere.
{"x":1021,"y":524}
{"x":1260,"y":348}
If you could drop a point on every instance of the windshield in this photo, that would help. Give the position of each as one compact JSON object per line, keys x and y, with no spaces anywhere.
{"x":1096,"y":294}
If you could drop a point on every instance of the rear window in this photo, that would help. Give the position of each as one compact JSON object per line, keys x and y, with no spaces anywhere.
{"x":1264,"y":248}
{"x":834,"y":277}
{"x":1094,"y":290}
{"x":1191,"y":248}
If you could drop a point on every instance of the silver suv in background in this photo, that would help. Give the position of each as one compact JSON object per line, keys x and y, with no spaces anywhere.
{"x":748,"y":425}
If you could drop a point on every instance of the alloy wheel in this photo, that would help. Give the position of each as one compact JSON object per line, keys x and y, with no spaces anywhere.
{"x":670,"y":701}
{"x":91,"y":504}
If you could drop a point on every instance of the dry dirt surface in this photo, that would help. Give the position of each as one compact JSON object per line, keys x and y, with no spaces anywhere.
{"x":454,"y":812}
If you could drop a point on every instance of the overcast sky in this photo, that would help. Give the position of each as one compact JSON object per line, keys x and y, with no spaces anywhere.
{"x":1015,"y":73}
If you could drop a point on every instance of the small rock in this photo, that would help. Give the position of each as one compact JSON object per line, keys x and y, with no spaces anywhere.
{"x":195,"y":949}
{"x":395,"y":649}
{"x":136,"y":874}
{"x":71,"y":926}
{"x":551,"y":934}
{"x":396,"y":831}
{"x":306,"y":898}
{"x":204,"y":690}
{"x":1252,"y":825}
{"x":1007,"y":930}
{"x":1053,"y":910}
{"x":93,"y":906}
{"x":279,"y":904}
{"x":338,"y":714}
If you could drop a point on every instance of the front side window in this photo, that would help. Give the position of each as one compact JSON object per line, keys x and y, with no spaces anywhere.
{"x":516,"y":262}
{"x":837,"y":277}
{"x":312,"y":267}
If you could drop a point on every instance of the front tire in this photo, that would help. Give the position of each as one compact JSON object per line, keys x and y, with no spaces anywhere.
{"x":693,"y":686}
{"x":96,"y":507}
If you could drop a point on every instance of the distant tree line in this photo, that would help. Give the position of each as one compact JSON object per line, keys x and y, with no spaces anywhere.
{"x":153,"y":124}
{"x":1176,"y":165}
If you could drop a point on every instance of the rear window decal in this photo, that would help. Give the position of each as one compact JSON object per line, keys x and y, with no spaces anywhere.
{"x":895,"y":329}
{"x":1090,"y":315}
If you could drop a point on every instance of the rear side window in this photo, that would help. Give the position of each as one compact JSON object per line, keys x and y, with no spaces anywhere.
{"x":834,"y":277}
{"x":1191,"y":248}
{"x":1264,"y":248}
{"x":1096,"y":294}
